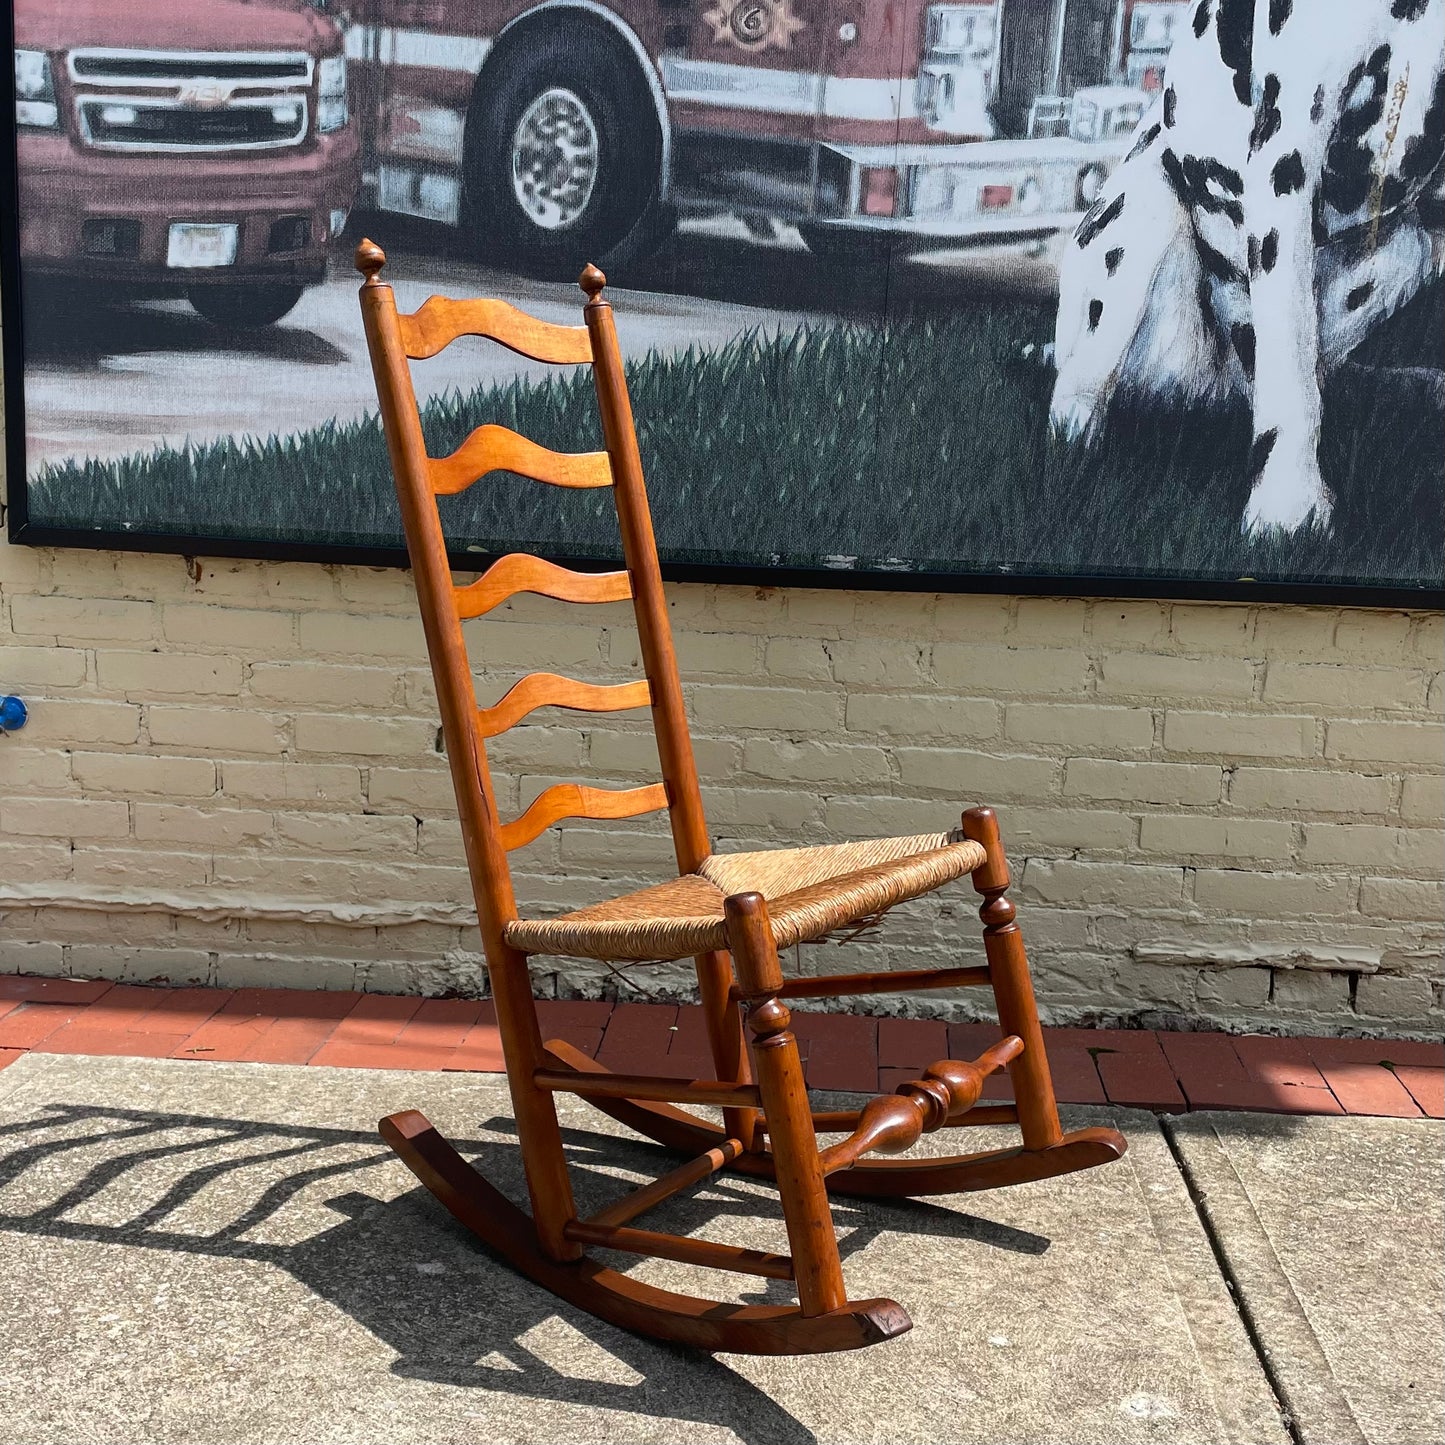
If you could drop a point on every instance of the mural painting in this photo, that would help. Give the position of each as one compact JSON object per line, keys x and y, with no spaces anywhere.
{"x":1076,"y":294}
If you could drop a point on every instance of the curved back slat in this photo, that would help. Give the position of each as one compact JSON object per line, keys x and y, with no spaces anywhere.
{"x":493,"y":448}
{"x":546,"y":689}
{"x":520,"y":572}
{"x":576,"y":800}
{"x":440,"y":320}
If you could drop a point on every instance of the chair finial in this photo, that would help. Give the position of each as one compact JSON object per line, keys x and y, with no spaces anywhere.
{"x":370,"y":258}
{"x":591,"y":281}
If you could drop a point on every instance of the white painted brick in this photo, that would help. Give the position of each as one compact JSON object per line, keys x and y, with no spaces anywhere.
{"x":1197,"y":835}
{"x":1129,"y":624}
{"x":329,"y":834}
{"x":1044,"y":620}
{"x":1374,"y":636}
{"x":1344,"y":688}
{"x":1239,"y":735}
{"x":132,"y":773}
{"x":424,"y":790}
{"x":990,"y":670}
{"x":970,"y":617}
{"x":244,"y":631}
{"x":64,"y":818}
{"x":1391,"y":742}
{"x":1427,"y":640}
{"x":773,"y":709}
{"x":1388,"y":996}
{"x":314,"y":684}
{"x":854,"y":817}
{"x":527,"y":645}
{"x":1247,"y":893}
{"x":180,"y":966}
{"x":699,"y":654}
{"x":1200,"y":627}
{"x":39,"y":960}
{"x":1423,"y":799}
{"x":30,"y":861}
{"x":869,"y":662}
{"x":260,"y":970}
{"x":28,"y":770}
{"x":908,"y":717}
{"x":29,"y":668}
{"x":1295,"y":631}
{"x":142,"y":676}
{"x":292,"y":782}
{"x":210,"y":827}
{"x":71,"y":720}
{"x":1065,"y":880}
{"x":634,"y":755}
{"x":1267,"y":790}
{"x":797,"y":657}
{"x":1080,"y":725}
{"x":1152,"y":675}
{"x":1232,"y":990}
{"x":1306,"y":991}
{"x":1142,"y":782}
{"x":362,"y":637}
{"x":976,"y":777}
{"x":815,"y":762}
{"x":1403,"y":898}
{"x":83,"y":621}
{"x":321,"y":734}
{"x":1051,"y":831}
{"x":1417,"y":851}
{"x":215,"y":730}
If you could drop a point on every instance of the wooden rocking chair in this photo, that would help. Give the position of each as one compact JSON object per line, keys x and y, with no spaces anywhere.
{"x":725,"y":911}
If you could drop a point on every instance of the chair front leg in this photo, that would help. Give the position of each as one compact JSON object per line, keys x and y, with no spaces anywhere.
{"x":1013,"y":989}
{"x":799,"y":1171}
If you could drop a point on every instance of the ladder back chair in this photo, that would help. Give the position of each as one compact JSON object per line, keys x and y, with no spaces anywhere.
{"x":732,"y":913}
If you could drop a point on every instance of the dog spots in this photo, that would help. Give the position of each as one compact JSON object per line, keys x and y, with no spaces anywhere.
{"x":1096,"y":218}
{"x":1201,"y":18}
{"x":1241,"y":336}
{"x":1408,"y":9}
{"x":1205,"y":184}
{"x":1112,"y":259}
{"x":1424,"y":152}
{"x":1269,"y":251}
{"x":1358,"y":296}
{"x":1259,"y":453}
{"x":1171,"y":105}
{"x":1146,"y":139}
{"x":1216,"y":263}
{"x":1252,"y":251}
{"x":1096,"y":312}
{"x":1279,"y":12}
{"x":1267,"y":119}
{"x":1236,"y":38}
{"x":1288,"y":174}
{"x":1317,"y":106}
{"x":1349,"y":159}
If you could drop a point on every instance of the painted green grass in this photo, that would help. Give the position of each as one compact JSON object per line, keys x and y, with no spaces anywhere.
{"x":756,"y":453}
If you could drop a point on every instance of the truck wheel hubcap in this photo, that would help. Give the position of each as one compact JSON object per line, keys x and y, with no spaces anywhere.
{"x":554,"y":159}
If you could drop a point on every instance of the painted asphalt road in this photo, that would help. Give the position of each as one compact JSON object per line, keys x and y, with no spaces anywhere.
{"x":107,"y":380}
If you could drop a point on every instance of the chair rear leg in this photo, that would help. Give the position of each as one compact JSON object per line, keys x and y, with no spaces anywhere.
{"x":799,"y":1172}
{"x":1013,"y":989}
{"x":726,"y":1041}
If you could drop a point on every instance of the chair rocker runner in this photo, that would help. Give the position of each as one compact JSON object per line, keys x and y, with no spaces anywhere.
{"x":732,"y":913}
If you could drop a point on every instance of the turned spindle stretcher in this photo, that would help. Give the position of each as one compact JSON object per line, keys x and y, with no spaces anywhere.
{"x":731,"y":913}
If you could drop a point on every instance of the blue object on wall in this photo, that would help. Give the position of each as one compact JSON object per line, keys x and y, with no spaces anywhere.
{"x":13,"y":713}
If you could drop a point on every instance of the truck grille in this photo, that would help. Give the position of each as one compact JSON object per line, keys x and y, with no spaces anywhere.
{"x":166,"y":101}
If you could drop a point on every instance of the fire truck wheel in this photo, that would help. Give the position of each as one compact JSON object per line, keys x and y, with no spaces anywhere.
{"x":565,"y":158}
{"x":243,"y":305}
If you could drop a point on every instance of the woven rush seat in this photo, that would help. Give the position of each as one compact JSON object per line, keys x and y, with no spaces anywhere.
{"x":810,"y":892}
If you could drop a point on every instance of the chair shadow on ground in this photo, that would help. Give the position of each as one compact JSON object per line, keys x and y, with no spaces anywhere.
{"x":304,"y":1200}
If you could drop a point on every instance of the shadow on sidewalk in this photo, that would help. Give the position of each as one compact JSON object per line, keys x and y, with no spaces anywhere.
{"x":296,"y":1197}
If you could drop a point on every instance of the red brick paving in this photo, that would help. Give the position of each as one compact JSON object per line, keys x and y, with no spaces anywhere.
{"x":1172,"y":1072}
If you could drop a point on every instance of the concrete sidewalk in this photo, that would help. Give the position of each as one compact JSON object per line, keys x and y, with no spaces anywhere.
{"x":227,"y":1254}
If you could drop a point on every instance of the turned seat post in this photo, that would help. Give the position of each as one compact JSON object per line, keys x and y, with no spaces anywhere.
{"x":691,"y":843}
{"x":548,"y":1182}
{"x":1008,"y":966}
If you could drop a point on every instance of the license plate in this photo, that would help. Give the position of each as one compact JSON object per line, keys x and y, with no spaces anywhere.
{"x":202,"y":245}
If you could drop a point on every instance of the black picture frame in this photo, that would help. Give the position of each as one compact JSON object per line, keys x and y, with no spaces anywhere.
{"x":24,"y":531}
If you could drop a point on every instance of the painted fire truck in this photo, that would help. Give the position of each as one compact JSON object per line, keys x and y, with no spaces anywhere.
{"x":564,"y":130}
{"x":204,"y":148}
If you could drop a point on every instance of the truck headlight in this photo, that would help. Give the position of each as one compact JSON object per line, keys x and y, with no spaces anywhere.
{"x":331,"y":111}
{"x":35,"y":104}
{"x":961,"y":32}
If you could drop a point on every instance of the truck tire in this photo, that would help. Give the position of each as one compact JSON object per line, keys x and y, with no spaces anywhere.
{"x":861,"y":250}
{"x":564,"y":157}
{"x":241,"y":305}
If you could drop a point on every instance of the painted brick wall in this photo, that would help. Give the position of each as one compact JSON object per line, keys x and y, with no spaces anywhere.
{"x":1228,"y":815}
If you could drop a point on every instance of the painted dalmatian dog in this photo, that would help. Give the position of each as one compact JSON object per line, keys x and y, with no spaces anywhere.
{"x":1282,"y":197}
